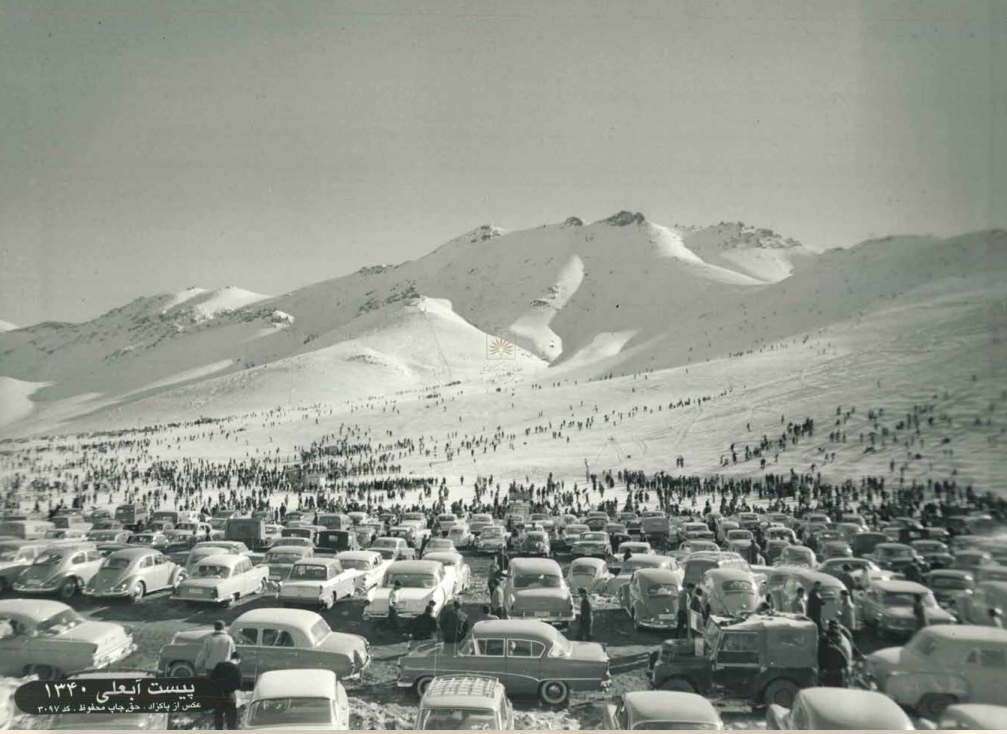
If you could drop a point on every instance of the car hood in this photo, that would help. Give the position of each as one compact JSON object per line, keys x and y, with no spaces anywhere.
{"x":109,"y":578}
{"x":102,"y":634}
{"x":343,"y":643}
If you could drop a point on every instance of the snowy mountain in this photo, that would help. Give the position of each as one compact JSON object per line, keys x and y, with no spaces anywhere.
{"x":7,"y":326}
{"x":619,"y":295}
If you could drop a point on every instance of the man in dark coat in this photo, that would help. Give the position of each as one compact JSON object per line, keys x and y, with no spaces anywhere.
{"x":815,"y":604}
{"x":424,"y":627}
{"x":584,"y":626}
{"x":834,"y":657}
{"x":454,"y":623}
{"x":227,"y":675}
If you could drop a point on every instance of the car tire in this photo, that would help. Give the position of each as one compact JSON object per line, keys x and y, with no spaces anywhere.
{"x":422,"y":684}
{"x":137,"y":592}
{"x":181,"y":669}
{"x":677,"y":684}
{"x":262,"y":587}
{"x":554,"y":693}
{"x":932,"y":705}
{"x":781,"y":692}
{"x":69,"y":588}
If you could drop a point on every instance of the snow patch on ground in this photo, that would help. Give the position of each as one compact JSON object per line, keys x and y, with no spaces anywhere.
{"x":182,"y":296}
{"x":7,"y":326}
{"x":15,"y":399}
{"x":533,"y":325}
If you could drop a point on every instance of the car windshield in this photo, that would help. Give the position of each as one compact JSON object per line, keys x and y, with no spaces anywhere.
{"x":356,"y":565}
{"x":310,"y":572}
{"x":739,"y":535}
{"x":583,"y":569}
{"x":540,"y":581}
{"x":491,"y":532}
{"x":48,"y":559}
{"x":594,"y":538}
{"x":411,"y":580}
{"x":662,"y":590}
{"x":455,"y":719}
{"x":948,"y":582}
{"x":279,"y":712}
{"x":283,"y":557}
{"x":116,"y":563}
{"x":59,"y":623}
{"x":385,"y":543}
{"x":212,"y":571}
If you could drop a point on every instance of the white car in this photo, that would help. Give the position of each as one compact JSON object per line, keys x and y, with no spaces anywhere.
{"x":367,"y":568}
{"x":439,"y":545}
{"x":454,"y":564}
{"x":460,"y":535}
{"x":298,"y":699}
{"x":222,"y":579}
{"x":321,"y":581}
{"x":422,"y":582}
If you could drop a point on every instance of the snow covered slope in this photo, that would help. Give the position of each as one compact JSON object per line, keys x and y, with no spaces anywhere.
{"x":6,"y":326}
{"x":760,"y":253}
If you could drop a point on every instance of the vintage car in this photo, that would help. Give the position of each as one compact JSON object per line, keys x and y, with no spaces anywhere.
{"x":943,"y":665}
{"x":456,"y":702}
{"x":535,"y":543}
{"x":461,"y":535}
{"x":973,"y":716}
{"x":66,"y":536}
{"x":730,"y":591}
{"x":358,"y":518}
{"x":417,"y":517}
{"x":774,"y":548}
{"x":847,"y":530}
{"x":335,"y":521}
{"x":422,"y":582}
{"x":298,"y":698}
{"x":222,"y":579}
{"x":948,"y":584}
{"x":454,"y":564}
{"x":133,"y":572}
{"x":336,"y":541}
{"x":973,"y":560}
{"x":108,"y":536}
{"x":50,"y":640}
{"x":634,"y":547}
{"x":15,"y":557}
{"x":798,"y":577}
{"x":797,"y":555}
{"x":280,"y":559}
{"x":573,"y":531}
{"x":634,"y":564}
{"x":444,"y":522}
{"x":832,"y":549}
{"x":439,"y":545}
{"x":661,"y":710}
{"x":365,"y":567}
{"x":132,"y":516}
{"x":889,"y":555}
{"x":61,"y":569}
{"x":834,"y":566}
{"x":535,"y":589}
{"x":888,"y":607}
{"x":591,"y":545}
{"x":274,"y":639}
{"x":588,"y":573}
{"x":158,"y":541}
{"x":823,"y":709}
{"x":764,"y":658}
{"x":527,"y":656}
{"x":393,"y":549}
{"x":318,"y":581}
{"x":694,"y":531}
{"x":368,"y":531}
{"x":739,"y":541}
{"x":492,"y":539}
{"x":109,"y":720}
{"x":863,"y":544}
{"x":697,"y":564}
{"x":651,"y":598}
{"x":927,"y":548}
{"x":974,"y":607}
{"x":408,"y":532}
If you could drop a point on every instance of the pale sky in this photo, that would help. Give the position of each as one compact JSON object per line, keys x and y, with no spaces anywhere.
{"x":147,"y":146}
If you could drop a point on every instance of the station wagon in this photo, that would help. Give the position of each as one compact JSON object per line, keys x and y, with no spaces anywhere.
{"x":465,"y":702}
{"x":274,"y":639}
{"x":528,"y":657}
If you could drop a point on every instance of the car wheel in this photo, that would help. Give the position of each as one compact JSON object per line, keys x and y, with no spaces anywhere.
{"x":262,"y":587}
{"x":677,"y":684}
{"x":179,"y":578}
{"x":933,"y":704}
{"x":181,"y":669}
{"x":422,"y":684}
{"x":554,"y":692}
{"x":69,"y":588}
{"x":781,"y":692}
{"x":137,"y":592}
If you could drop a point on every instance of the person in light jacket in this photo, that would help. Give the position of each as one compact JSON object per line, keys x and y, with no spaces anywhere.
{"x":216,"y":648}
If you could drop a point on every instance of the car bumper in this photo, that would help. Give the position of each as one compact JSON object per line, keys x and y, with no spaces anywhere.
{"x":108,"y":594}
{"x":115,"y":655}
{"x":196,"y":599}
{"x":542,"y":616}
{"x":47,"y":589}
{"x":658,"y":624}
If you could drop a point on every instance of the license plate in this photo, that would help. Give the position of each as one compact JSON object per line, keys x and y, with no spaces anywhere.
{"x":541,"y":614}
{"x":665,"y":616}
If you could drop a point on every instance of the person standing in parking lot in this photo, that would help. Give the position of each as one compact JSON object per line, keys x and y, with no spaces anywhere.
{"x":584,"y":626}
{"x":227,"y":675}
{"x":216,"y":648}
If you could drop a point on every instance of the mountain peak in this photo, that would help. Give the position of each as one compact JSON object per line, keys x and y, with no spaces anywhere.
{"x":625,"y":218}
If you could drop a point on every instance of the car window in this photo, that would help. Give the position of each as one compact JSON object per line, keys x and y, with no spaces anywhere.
{"x":146,"y":562}
{"x":247,"y":636}
{"x":988,"y":658}
{"x":739,"y":648}
{"x":159,"y":560}
{"x":491,"y":648}
{"x":78,"y":558}
{"x":525,"y":649}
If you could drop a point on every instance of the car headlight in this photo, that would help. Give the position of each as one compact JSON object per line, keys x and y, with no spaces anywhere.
{"x":121,"y":587}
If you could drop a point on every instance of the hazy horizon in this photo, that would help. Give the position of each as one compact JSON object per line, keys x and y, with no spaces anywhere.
{"x":147,"y":148}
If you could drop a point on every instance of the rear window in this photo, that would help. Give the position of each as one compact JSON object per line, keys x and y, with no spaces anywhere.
{"x":738,"y":586}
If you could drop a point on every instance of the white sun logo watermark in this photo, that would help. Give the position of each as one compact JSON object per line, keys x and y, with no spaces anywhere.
{"x":497,"y":348}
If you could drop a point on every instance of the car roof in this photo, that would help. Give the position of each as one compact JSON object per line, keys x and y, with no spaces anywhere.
{"x":980,"y":715}
{"x":670,"y":706}
{"x":317,"y":561}
{"x":358,"y":555}
{"x":534,"y":565}
{"x":894,"y":545}
{"x":444,"y":557}
{"x":850,"y":708}
{"x":954,"y":572}
{"x":594,"y":562}
{"x":415,"y":567}
{"x":34,"y":608}
{"x":658,"y":575}
{"x":296,"y":683}
{"x":222,"y":559}
{"x":966,"y":632}
{"x":649,"y":559}
{"x":515,"y":627}
{"x":463,"y":691}
{"x":901,"y":586}
{"x":302,"y":549}
{"x":729,"y":574}
{"x":134,"y":552}
{"x":298,"y":617}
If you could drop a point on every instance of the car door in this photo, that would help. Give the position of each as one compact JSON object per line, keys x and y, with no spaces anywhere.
{"x":246,"y":640}
{"x":489,"y":660}
{"x":523,"y":671}
{"x":985,"y":669}
{"x":160,"y":573}
{"x":277,"y":649}
{"x":737,"y":663}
